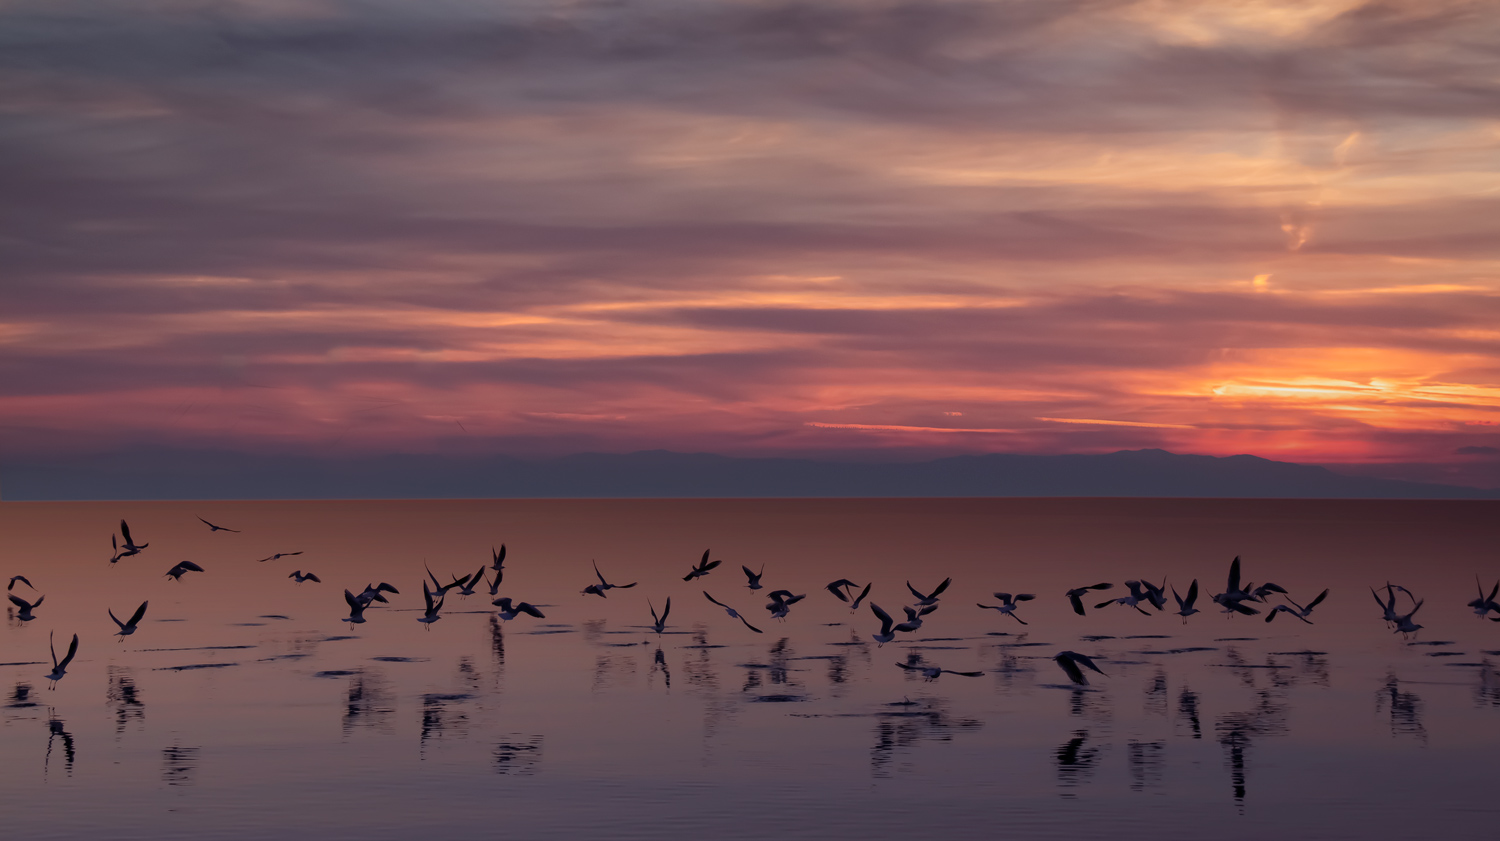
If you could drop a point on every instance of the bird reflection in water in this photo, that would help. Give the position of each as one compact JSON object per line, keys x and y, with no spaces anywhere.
{"x":1147,"y":763}
{"x":1405,"y":709}
{"x":1075,"y":762}
{"x":468,"y":674}
{"x":443,"y":715}
{"x":179,"y":765}
{"x":659,"y":664}
{"x":1238,"y":731}
{"x":124,"y":698}
{"x":907,"y":723}
{"x":1187,"y":710}
{"x":497,"y":646}
{"x":20,"y":697}
{"x":1487,"y":690}
{"x":518,"y":755}
{"x":368,"y":703}
{"x":1156,"y":694}
{"x":613,"y":669}
{"x":57,"y":734}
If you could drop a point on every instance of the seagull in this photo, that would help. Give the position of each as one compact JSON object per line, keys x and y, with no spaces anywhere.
{"x":854,"y":605}
{"x":442,"y":589}
{"x":129,"y":549}
{"x":186,"y":566}
{"x":1482,"y":605}
{"x":1388,"y":607}
{"x":837,"y":588}
{"x":931,"y":598}
{"x":498,"y":558}
{"x":1404,"y":625}
{"x":914,"y":618}
{"x":1133,"y":600}
{"x":754,"y":577}
{"x":279,"y":555}
{"x":128,"y":628}
{"x":22,"y":579}
{"x":25,"y":606}
{"x":1234,"y":594}
{"x":60,"y":667}
{"x":301,"y":576}
{"x":430,"y":615}
{"x":932,"y":673}
{"x":372,"y":593}
{"x":509,"y":610}
{"x":659,"y":623}
{"x":1069,"y":661}
{"x":357,"y":607}
{"x":495,"y":583}
{"x":1298,"y":610}
{"x":1266,"y":589}
{"x":1157,"y":596}
{"x":1185,"y":606}
{"x":1007,"y":604}
{"x":781,"y":603}
{"x":702,"y":568}
{"x":467,"y":588}
{"x":213,"y":528}
{"x":1076,"y":595}
{"x":603,"y":586}
{"x":733,"y":614}
{"x":887,"y":631}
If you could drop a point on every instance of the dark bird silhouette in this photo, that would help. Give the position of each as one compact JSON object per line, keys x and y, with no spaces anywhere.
{"x":753,"y":581}
{"x":130,"y":547}
{"x":604,"y":586}
{"x":1132,"y":601}
{"x":299,"y":576}
{"x":278,"y":556}
{"x":1075,"y":595}
{"x":781,"y":603}
{"x":838,"y":587}
{"x":1482,"y":605}
{"x":1007,"y":605}
{"x":854,"y":605}
{"x":376,"y":593}
{"x":176,"y":572}
{"x":659,"y":623}
{"x":510,"y":610}
{"x":702,"y":569}
{"x":887,"y":625}
{"x":1185,"y":606}
{"x":497,"y":558}
{"x":914,"y":618}
{"x":60,"y":667}
{"x":932,"y":673}
{"x":22,"y":579}
{"x":1297,"y":610}
{"x":1156,"y":596}
{"x":1404,"y":624}
{"x":430,"y":614}
{"x":929,"y":598}
{"x":733,"y":614}
{"x":213,"y":528}
{"x":1069,"y":661}
{"x":357,"y":607}
{"x":25,"y":607}
{"x":128,"y":628}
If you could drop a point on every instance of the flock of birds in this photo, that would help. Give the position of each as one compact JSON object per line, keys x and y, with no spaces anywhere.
{"x":1237,"y":598}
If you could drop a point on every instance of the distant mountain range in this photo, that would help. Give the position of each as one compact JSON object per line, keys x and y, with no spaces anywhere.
{"x":174,"y":474}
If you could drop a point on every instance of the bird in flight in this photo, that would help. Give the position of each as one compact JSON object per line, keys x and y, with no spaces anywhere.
{"x":1075,"y":595}
{"x":25,"y":606}
{"x":1185,"y":606}
{"x":129,"y":548}
{"x":279,"y":555}
{"x":603,"y":586}
{"x":299,"y":576}
{"x":1069,"y":661}
{"x":510,"y":610}
{"x":932,"y":673}
{"x":1007,"y":605}
{"x":781,"y":603}
{"x":887,"y":625}
{"x":659,"y":623}
{"x":1297,"y":610}
{"x":498,"y":558}
{"x":753,"y":577}
{"x":213,"y":528}
{"x":128,"y":628}
{"x":14,"y":579}
{"x":376,"y":593}
{"x":1482,"y":605}
{"x":733,"y":614}
{"x":702,"y":569}
{"x":176,"y":572}
{"x":430,"y":615}
{"x":357,"y":607}
{"x":60,"y":667}
{"x":930,"y":598}
{"x":914,"y":618}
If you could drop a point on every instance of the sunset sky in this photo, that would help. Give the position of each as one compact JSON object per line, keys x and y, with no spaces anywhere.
{"x":829,"y":229}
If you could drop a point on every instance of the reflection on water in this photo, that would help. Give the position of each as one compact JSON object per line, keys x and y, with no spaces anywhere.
{"x":705,"y":729}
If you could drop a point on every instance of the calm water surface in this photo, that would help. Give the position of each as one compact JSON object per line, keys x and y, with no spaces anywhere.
{"x":244,"y":707}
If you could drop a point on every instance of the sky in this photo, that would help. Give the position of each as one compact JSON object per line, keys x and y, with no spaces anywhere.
{"x":830,"y":229}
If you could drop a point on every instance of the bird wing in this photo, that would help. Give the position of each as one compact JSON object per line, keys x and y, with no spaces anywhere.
{"x":1243,"y":609}
{"x":1077,"y":603}
{"x":914,"y":591}
{"x":190,"y":565}
{"x":780,"y":595}
{"x":1104,"y":586}
{"x":714,"y":600}
{"x":1087,"y":661}
{"x":667,"y":609}
{"x":23,"y":580}
{"x":498,"y":556}
{"x":388,"y":588}
{"x":656,"y":620}
{"x":885,"y":618}
{"x":988,"y":606}
{"x":207,"y":523}
{"x":1104,"y":604}
{"x":710,"y":565}
{"x":1192,"y":592}
{"x":349,"y":597}
{"x":68,"y":658}
{"x":961,"y":674}
{"x":1025,"y":597}
{"x":1317,"y":601}
{"x":940,"y":588}
{"x":125,"y":532}
{"x":117,"y":619}
{"x":530,"y":610}
{"x":1234,"y":574}
{"x":748,"y":573}
{"x":751,"y":627}
{"x":863,"y":593}
{"x":427,"y":596}
{"x":909,"y":667}
{"x":600,"y":574}
{"x":310,"y":577}
{"x":836,"y":588}
{"x":21,"y":603}
{"x":1004,"y":597}
{"x":1071,"y":669}
{"x":139,"y":612}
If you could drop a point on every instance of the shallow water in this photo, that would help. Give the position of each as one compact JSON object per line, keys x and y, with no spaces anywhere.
{"x":244,"y":707}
